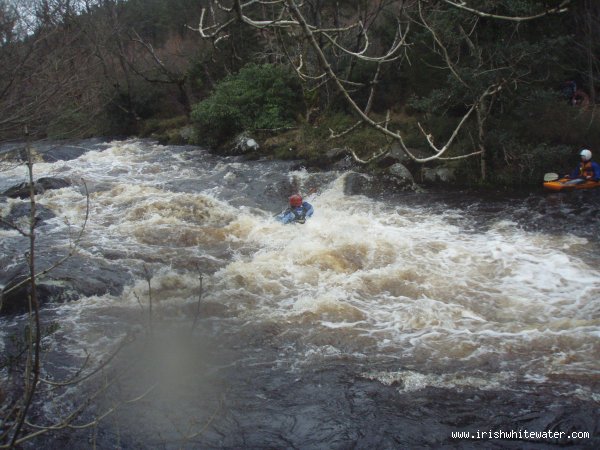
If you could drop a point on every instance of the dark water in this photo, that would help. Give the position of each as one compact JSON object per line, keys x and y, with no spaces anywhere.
{"x":383,"y":322}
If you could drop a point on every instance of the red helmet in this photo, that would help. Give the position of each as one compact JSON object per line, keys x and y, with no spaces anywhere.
{"x":295,"y":200}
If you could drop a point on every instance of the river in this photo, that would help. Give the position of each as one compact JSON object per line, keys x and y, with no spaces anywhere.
{"x":383,"y":322}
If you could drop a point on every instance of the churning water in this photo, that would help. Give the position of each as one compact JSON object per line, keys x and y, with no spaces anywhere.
{"x":380,"y":323}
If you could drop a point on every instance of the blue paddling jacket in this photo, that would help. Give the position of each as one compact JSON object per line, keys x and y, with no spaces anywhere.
{"x":585,"y":169}
{"x":296,"y":214}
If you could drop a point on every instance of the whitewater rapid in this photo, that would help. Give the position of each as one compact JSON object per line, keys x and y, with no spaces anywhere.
{"x":414,"y":290}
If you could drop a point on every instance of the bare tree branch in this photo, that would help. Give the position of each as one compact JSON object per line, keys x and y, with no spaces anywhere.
{"x":289,"y":17}
{"x":561,"y":8}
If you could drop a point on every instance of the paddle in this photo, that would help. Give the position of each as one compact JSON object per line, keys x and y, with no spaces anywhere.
{"x":551,"y":176}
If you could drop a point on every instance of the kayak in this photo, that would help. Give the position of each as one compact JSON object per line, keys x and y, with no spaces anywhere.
{"x":560,"y":185}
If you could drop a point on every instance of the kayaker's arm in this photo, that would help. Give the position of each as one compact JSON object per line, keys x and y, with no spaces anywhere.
{"x":596,"y":169}
{"x":309,"y":209}
{"x":286,"y":216}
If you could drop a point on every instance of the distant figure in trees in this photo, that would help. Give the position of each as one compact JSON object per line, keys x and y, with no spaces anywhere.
{"x":574,"y":95}
{"x":568,"y":89}
{"x":580,"y":99}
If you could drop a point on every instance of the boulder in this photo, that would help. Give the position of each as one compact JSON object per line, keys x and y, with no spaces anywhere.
{"x":53,"y":183}
{"x":438,"y":174}
{"x":398,"y":154}
{"x":20,"y":191}
{"x":21,"y":211}
{"x":243,"y":144}
{"x":40,"y":186}
{"x":17,"y":301}
{"x":75,"y":278}
{"x":401,"y":173}
{"x":358,"y":184}
{"x":335,"y":154}
{"x":396,"y":178}
{"x":345,"y":164}
{"x":53,"y":151}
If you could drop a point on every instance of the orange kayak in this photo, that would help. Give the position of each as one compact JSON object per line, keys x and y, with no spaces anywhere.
{"x":560,"y":185}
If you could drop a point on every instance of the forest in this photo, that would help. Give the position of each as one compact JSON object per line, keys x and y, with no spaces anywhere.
{"x":500,"y":92}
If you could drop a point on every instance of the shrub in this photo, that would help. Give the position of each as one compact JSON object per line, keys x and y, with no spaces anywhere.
{"x":257,"y":97}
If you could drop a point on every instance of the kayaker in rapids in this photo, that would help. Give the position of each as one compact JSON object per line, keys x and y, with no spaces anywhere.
{"x":586,"y":170}
{"x":298,"y":211}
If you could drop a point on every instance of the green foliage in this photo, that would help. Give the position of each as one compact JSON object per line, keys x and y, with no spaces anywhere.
{"x":542,"y":134}
{"x":518,"y":163}
{"x":155,"y":126}
{"x":544,"y":116}
{"x":364,"y":140}
{"x":257,"y":97}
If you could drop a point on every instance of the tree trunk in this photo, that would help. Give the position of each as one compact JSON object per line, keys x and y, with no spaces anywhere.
{"x":481,"y":111}
{"x":589,"y":32}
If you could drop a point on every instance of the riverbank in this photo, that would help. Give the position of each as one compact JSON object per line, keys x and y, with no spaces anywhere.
{"x":323,"y":144}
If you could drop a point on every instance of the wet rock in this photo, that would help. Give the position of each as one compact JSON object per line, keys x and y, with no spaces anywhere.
{"x":398,"y":154}
{"x":187,"y":133}
{"x":438,"y":174}
{"x":19,"y":191}
{"x":40,"y":186}
{"x":243,"y":144}
{"x":50,"y":151}
{"x":21,"y":211}
{"x":277,"y":193}
{"x":357,"y":184}
{"x":339,"y":159}
{"x":396,"y":178}
{"x":53,"y":183}
{"x":75,"y":278}
{"x":65,"y":150}
{"x":17,"y":301}
{"x":16,"y":290}
{"x":401,"y":175}
{"x":335,"y":154}
{"x":344,"y":164}
{"x":12,"y":152}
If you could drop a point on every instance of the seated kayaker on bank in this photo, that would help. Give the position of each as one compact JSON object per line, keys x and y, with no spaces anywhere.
{"x":586,"y":170}
{"x":298,"y":211}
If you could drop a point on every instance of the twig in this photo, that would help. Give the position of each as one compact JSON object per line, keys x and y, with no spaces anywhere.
{"x":200,"y":291}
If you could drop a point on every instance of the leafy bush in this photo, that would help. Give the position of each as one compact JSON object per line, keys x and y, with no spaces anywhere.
{"x":257,"y":97}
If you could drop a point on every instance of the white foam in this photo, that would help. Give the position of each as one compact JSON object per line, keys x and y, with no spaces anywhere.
{"x":411,"y":381}
{"x":411,"y":279}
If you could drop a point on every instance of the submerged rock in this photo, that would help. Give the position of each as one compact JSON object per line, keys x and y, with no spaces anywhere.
{"x":15,"y":294}
{"x":20,"y":212}
{"x":40,"y":186}
{"x":94,"y":277}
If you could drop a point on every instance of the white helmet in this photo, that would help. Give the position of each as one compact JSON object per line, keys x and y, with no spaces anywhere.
{"x":585,"y":154}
